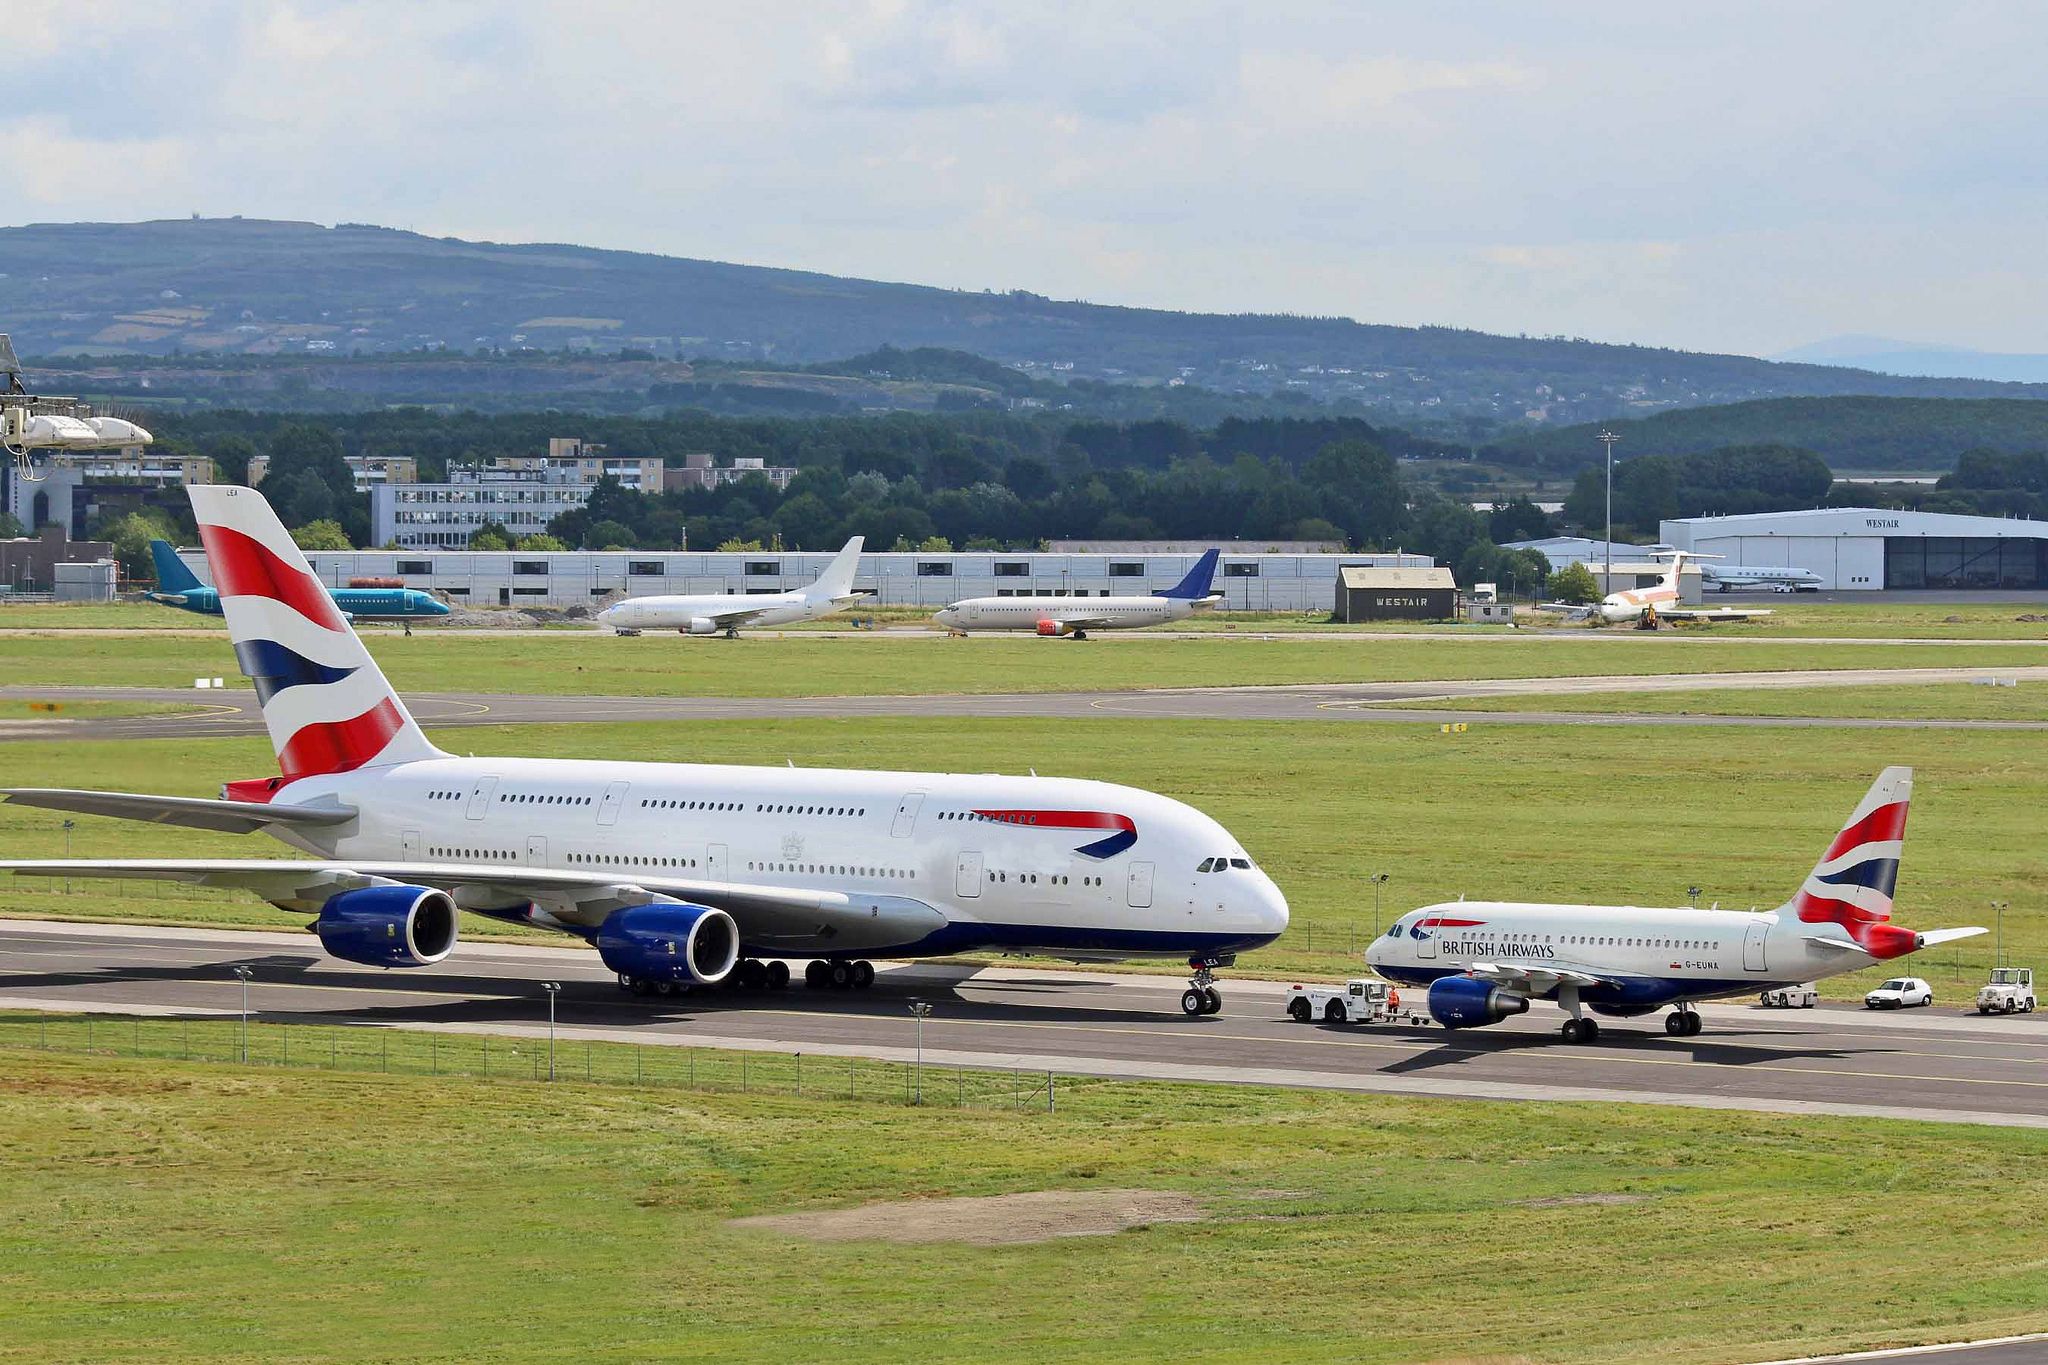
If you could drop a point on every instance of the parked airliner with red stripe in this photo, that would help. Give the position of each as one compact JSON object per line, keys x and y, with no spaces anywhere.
{"x":679,"y":874}
{"x":1485,"y":960}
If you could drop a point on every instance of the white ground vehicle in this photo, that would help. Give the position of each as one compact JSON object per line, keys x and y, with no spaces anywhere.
{"x":1898,"y":993}
{"x":2009,"y":991}
{"x":1802,"y":997}
{"x":1361,"y":1000}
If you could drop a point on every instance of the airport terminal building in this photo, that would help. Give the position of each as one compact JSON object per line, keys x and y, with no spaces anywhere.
{"x":1870,"y":548}
{"x":1248,"y":582}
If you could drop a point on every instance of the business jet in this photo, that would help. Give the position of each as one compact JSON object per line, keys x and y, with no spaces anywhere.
{"x":679,"y":874}
{"x":1076,"y":616}
{"x":725,"y":613}
{"x":177,"y":586}
{"x":1483,"y":961}
{"x":1731,"y":577}
{"x":1649,"y":607}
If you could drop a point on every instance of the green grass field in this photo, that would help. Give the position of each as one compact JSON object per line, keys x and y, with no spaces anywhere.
{"x":808,"y":666}
{"x":1521,"y":811}
{"x":166,"y":1211}
{"x":1902,"y":619}
{"x":27,"y":709}
{"x":1930,"y":701}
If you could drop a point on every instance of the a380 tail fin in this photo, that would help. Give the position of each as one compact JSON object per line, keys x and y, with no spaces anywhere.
{"x":1851,"y":886}
{"x":325,"y":701}
{"x":1196,"y":584}
{"x":171,"y":573}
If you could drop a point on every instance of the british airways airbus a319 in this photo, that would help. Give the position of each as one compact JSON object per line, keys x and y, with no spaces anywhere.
{"x":680,"y":874}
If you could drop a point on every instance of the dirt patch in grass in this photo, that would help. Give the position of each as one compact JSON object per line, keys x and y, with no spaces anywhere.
{"x":1559,"y":1200}
{"x":1000,"y":1220}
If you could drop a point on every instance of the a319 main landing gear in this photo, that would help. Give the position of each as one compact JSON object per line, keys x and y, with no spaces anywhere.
{"x":1578,"y":1028}
{"x":1683,"y":1022}
{"x":1201,"y":997}
{"x":840,"y":976}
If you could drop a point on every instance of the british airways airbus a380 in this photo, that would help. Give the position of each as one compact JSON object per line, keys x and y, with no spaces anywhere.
{"x":1485,"y":960}
{"x":679,"y":874}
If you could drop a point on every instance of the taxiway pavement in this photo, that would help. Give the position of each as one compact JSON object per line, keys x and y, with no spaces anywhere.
{"x":1935,"y":1066}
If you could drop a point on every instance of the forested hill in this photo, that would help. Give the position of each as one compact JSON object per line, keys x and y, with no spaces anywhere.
{"x":1851,"y":434}
{"x":240,"y":286}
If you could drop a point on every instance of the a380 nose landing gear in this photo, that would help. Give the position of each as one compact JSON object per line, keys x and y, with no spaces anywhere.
{"x":1201,"y":997}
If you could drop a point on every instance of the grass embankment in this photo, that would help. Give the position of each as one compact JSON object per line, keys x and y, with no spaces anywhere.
{"x":1526,"y":812}
{"x":169,"y":1211}
{"x":809,"y":666}
{"x":26,"y":709}
{"x":1891,"y":618}
{"x":1909,"y":701}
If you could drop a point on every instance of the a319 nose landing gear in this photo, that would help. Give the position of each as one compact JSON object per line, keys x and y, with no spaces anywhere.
{"x":1201,"y":997}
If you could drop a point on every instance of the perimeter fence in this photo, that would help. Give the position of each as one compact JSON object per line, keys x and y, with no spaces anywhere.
{"x":499,"y":1057}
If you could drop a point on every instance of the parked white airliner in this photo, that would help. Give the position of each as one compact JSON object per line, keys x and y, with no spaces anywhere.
{"x":680,"y":874}
{"x":1649,"y":606}
{"x":725,"y":613}
{"x":1076,"y":616}
{"x":1485,"y":960}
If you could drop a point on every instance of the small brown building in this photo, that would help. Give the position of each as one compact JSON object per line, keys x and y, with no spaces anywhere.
{"x":1368,"y":594}
{"x":29,"y":563}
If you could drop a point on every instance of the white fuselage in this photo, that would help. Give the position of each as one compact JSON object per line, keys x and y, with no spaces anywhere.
{"x":1618,"y":607}
{"x":1016,"y":882}
{"x":701,"y":614}
{"x":1730,"y":577}
{"x":1092,"y":613}
{"x":1654,"y":956}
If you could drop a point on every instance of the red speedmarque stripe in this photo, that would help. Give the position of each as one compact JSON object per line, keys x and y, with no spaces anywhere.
{"x":1061,"y":819}
{"x":340,"y":746}
{"x":1883,"y":824}
{"x":244,"y":567}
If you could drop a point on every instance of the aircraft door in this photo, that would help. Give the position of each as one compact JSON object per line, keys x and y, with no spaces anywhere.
{"x":714,"y":861}
{"x":614,"y":797}
{"x":1753,"y":940}
{"x":480,"y":798}
{"x":409,"y":846}
{"x":906,"y":816}
{"x":967,"y":875}
{"x":536,"y":850}
{"x":1425,"y":946}
{"x":1138,"y":890}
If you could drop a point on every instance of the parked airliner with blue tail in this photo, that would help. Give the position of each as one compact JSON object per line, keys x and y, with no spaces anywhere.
{"x":1486,"y":960}
{"x":1045,"y":614}
{"x":680,"y":874}
{"x":177,"y":586}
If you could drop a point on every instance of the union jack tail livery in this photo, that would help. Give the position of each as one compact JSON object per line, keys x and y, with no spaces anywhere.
{"x":1852,"y":885}
{"x":325,"y":701}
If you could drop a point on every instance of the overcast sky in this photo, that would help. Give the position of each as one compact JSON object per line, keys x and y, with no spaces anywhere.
{"x":1741,"y":177}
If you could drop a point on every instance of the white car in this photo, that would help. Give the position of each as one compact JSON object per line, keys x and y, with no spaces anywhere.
{"x":1790,"y":997}
{"x":2009,"y":991}
{"x":1898,"y":993}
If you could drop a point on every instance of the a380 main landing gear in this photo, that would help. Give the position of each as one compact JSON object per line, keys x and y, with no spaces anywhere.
{"x":1201,"y":997}
{"x":840,"y":976}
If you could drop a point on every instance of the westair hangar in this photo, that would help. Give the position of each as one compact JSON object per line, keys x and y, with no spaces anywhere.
{"x":1857,"y":548}
{"x":1370,"y":592}
{"x":1247,"y":582}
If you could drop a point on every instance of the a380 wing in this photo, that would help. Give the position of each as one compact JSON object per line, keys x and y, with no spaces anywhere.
{"x":802,"y":919}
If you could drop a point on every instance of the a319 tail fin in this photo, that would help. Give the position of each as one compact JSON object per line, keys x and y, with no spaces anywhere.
{"x":171,"y":573}
{"x":1196,"y":584}
{"x":325,"y":701}
{"x":1851,"y":886}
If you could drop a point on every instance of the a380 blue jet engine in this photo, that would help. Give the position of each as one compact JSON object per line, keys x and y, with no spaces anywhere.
{"x":670,"y":943}
{"x":389,"y":926}
{"x":1464,"y":1002}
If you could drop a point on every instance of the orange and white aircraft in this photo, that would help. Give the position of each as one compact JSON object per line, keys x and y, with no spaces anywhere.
{"x":1649,"y":606}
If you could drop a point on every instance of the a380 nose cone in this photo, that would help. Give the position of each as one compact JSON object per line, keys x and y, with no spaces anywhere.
{"x":1272,"y":910}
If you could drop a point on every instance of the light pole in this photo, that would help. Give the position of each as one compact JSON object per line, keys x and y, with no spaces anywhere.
{"x":244,"y":973}
{"x":553,"y":988}
{"x":1998,"y":938}
{"x":69,"y":825}
{"x":920,"y":1008}
{"x":1692,"y":894}
{"x":1378,"y":879}
{"x":1608,"y":438}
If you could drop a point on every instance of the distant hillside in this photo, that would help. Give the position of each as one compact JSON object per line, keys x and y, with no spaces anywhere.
{"x":237,"y":286}
{"x":1854,"y":434}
